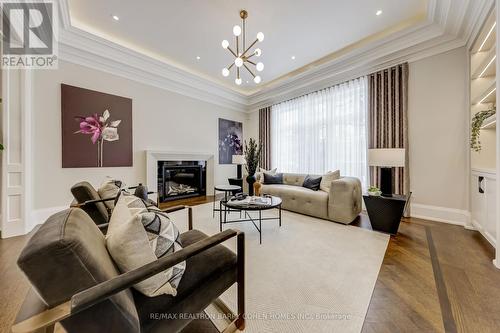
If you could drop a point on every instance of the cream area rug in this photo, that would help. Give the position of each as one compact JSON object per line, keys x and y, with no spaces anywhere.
{"x":310,"y":275}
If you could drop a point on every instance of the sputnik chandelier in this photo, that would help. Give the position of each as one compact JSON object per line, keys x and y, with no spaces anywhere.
{"x":242,"y":56}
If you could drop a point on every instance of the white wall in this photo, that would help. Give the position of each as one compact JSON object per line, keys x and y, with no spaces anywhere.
{"x":438,"y":112}
{"x":161,"y":121}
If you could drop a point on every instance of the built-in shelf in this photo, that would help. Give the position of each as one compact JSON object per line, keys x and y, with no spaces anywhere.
{"x":490,"y":123}
{"x":484,"y":90}
{"x":484,"y":63}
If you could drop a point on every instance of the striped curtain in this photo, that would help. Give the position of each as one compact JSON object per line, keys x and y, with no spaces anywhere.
{"x":388,"y":120}
{"x":265,"y":137}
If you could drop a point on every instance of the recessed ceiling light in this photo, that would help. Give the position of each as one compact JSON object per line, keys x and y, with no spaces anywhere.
{"x":379,"y":12}
{"x":198,"y":58}
{"x":247,"y":81}
{"x":293,"y":57}
{"x":116,"y":18}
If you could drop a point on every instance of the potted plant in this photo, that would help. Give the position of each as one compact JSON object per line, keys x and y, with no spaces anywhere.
{"x":477,"y":122}
{"x":252,"y":157}
{"x":374,"y":191}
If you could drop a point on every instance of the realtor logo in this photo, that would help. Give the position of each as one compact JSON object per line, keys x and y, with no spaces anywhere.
{"x":29,"y":34}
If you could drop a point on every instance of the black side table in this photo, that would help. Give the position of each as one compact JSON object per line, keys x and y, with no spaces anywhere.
{"x":385,"y":212}
{"x":237,"y":182}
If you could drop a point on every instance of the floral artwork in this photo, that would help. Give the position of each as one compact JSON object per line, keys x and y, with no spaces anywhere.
{"x":96,"y":129}
{"x":101,"y":128}
{"x":230,"y":140}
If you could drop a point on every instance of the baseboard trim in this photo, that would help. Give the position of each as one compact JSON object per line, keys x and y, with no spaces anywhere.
{"x":39,"y":216}
{"x":484,"y":233}
{"x":441,"y":214}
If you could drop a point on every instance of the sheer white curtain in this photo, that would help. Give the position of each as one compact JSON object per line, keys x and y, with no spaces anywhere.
{"x":322,"y":131}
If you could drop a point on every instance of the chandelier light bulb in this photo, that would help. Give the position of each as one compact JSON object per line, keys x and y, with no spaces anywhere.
{"x":260,"y":36}
{"x":257,"y":79}
{"x":260,"y":66}
{"x":225,"y":44}
{"x":236,"y":30}
{"x":238,"y":62}
{"x":237,"y":81}
{"x":225,"y":72}
{"x":257,"y":52}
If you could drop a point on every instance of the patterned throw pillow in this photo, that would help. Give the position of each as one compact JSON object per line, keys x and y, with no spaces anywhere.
{"x":327,"y":179}
{"x":109,"y":189}
{"x":138,"y":235}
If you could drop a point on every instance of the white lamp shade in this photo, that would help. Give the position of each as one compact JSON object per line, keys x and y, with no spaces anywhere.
{"x":386,"y":157}
{"x":239,"y":159}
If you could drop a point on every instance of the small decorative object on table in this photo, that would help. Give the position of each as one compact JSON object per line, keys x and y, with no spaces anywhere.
{"x":252,"y":157}
{"x":374,"y":191}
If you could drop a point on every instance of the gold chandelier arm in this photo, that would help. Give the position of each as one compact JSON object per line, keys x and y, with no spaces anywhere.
{"x":253,"y":63}
{"x":248,"y":69}
{"x":246,"y":58}
{"x":237,"y":72}
{"x":237,"y":46}
{"x":251,"y":45}
{"x":230,"y":66}
{"x":244,"y":32}
{"x":232,"y":52}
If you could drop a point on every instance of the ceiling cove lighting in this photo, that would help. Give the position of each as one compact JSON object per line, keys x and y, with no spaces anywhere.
{"x":487,"y":37}
{"x":487,"y":66}
{"x":242,"y":57}
{"x":489,"y":94}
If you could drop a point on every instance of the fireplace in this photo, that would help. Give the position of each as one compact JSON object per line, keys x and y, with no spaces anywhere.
{"x":181,"y":179}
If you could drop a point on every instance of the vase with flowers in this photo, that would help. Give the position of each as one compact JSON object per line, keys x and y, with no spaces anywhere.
{"x":252,"y":157}
{"x":101,"y":128}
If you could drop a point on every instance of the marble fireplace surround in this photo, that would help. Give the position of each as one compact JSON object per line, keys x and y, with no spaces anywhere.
{"x":153,"y":156}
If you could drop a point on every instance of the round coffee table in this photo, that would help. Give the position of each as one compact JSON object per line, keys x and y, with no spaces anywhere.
{"x":232,"y":204}
{"x":227,"y":189}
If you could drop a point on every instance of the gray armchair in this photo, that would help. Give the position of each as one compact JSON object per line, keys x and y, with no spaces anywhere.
{"x":87,"y":198}
{"x":78,"y":284}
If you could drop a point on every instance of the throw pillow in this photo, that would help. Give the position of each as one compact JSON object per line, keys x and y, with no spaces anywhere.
{"x":109,"y":189}
{"x":260,"y":175}
{"x":312,"y":183}
{"x":147,"y":235}
{"x":327,"y":179}
{"x":273,"y":179}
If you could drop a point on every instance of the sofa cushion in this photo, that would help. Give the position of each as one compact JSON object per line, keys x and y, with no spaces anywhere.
{"x":295,"y":179}
{"x":312,"y":183}
{"x":300,"y":199}
{"x":327,"y":179}
{"x":273,"y":179}
{"x":259,"y":176}
{"x":208,"y":274}
{"x":66,"y":255}
{"x":143,"y":238}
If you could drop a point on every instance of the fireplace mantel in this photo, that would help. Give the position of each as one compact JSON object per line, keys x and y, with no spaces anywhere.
{"x":153,"y":156}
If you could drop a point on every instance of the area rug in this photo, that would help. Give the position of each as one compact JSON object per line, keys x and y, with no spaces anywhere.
{"x":310,"y":275}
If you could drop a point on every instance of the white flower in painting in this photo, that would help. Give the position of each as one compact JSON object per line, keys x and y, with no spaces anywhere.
{"x":110,"y":134}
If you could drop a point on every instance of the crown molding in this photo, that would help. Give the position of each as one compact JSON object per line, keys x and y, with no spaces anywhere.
{"x":450,"y":24}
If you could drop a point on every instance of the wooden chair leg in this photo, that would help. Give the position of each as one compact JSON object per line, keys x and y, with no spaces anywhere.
{"x":240,"y":322}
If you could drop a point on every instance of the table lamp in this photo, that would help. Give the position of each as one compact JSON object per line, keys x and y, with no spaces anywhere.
{"x":386,"y":159}
{"x":239,"y":160}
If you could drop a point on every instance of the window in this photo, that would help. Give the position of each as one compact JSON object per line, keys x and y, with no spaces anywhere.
{"x":322,"y":131}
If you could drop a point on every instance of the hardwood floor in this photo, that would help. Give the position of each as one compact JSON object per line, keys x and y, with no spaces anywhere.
{"x":435,"y":277}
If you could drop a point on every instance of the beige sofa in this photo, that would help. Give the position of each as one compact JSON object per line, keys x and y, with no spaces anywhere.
{"x":342,"y":204}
